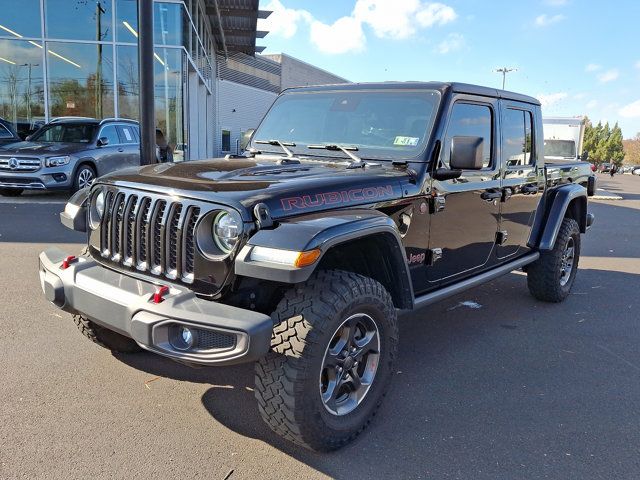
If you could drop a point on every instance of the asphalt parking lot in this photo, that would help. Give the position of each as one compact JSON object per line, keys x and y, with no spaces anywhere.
{"x":515,"y":389}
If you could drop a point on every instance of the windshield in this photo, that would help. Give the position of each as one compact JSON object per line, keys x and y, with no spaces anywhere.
{"x":382,"y":124}
{"x":559,"y":148}
{"x":65,"y":133}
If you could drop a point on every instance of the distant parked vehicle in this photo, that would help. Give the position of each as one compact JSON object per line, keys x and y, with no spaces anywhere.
{"x":636,"y":170}
{"x":7,"y":133}
{"x":68,"y":153}
{"x":604,"y":167}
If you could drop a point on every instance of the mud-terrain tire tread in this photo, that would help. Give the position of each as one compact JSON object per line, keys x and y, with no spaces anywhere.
{"x":542,"y":275}
{"x":104,"y":337}
{"x":300,"y":320}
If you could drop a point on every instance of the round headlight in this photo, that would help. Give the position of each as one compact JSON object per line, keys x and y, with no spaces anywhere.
{"x":97,"y":210}
{"x":227,"y":227}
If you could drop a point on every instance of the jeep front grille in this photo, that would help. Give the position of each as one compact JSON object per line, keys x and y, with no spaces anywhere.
{"x":153,"y":235}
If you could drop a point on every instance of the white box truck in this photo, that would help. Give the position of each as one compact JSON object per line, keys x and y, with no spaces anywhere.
{"x":563,"y":137}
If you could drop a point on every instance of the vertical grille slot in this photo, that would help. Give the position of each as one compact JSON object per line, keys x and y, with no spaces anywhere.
{"x":173,"y":240}
{"x":156,"y":227}
{"x":128,"y":226}
{"x":142,"y":234}
{"x":105,"y":243}
{"x":117,"y":212}
{"x":188,"y":243}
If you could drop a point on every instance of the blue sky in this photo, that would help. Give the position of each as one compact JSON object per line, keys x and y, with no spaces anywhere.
{"x":578,"y":57}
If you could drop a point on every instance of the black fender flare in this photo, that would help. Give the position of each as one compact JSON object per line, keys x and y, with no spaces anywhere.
{"x":325,"y":232}
{"x":552,"y":211}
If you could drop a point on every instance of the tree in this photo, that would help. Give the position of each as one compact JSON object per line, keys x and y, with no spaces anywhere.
{"x":632,"y":150}
{"x":603,"y":143}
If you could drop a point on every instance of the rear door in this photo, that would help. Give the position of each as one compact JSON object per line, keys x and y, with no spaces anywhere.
{"x":522,"y":179}
{"x":466,"y":209}
{"x":108,"y":156}
{"x":130,"y":145}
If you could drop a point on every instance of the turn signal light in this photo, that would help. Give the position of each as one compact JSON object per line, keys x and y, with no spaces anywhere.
{"x":305,"y":259}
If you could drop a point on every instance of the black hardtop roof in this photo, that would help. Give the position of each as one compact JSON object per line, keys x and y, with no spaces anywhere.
{"x":440,"y":86}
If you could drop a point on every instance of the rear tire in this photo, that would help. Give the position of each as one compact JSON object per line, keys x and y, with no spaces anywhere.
{"x":104,"y":337}
{"x":11,"y":192}
{"x":334,"y":348}
{"x":551,"y":277}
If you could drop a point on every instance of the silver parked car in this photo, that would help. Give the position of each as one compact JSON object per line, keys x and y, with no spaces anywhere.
{"x":68,"y":154}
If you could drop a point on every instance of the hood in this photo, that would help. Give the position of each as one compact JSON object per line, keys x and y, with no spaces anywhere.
{"x":287,"y":189}
{"x":42,"y":148}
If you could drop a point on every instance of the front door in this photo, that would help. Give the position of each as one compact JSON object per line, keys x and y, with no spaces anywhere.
{"x":466,"y":210}
{"x":522,"y":179}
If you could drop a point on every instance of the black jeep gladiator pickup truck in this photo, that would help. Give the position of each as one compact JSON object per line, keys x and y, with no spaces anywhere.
{"x":353,"y":202}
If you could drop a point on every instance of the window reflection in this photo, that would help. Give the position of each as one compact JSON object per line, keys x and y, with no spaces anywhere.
{"x":168,"y":90}
{"x":80,"y":79}
{"x":22,"y":20}
{"x":21,"y":85}
{"x":79,"y":19}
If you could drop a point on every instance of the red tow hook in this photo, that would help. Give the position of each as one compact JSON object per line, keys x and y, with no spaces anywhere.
{"x":68,"y":261}
{"x":160,"y":292}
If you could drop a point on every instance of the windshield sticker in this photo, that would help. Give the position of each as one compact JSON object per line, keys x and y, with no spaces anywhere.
{"x":406,"y":141}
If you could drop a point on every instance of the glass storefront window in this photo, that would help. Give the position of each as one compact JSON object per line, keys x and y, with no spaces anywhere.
{"x":168,"y":90}
{"x":167,"y":23}
{"x":21,"y":20}
{"x":80,"y":79}
{"x":21,"y":85}
{"x":79,"y":19}
{"x":127,"y":21}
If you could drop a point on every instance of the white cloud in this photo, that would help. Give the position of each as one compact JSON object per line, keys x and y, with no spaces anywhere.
{"x":283,"y":21}
{"x":453,"y":42}
{"x":608,"y":76}
{"x":549,"y":99}
{"x":556,"y":3}
{"x":631,"y":110}
{"x":592,"y":67}
{"x":545,"y":20}
{"x":579,"y":96}
{"x":395,"y":20}
{"x":637,"y":65}
{"x":344,"y":35}
{"x":592,"y":104}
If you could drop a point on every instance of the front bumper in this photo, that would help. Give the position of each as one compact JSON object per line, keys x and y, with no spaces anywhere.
{"x":225,"y":335}
{"x":50,"y":179}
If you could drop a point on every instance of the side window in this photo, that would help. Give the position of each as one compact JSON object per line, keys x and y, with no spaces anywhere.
{"x":4,"y":132}
{"x":127,"y":134}
{"x":226,"y":140}
{"x":110,"y":132}
{"x":517,"y":137}
{"x":471,"y":120}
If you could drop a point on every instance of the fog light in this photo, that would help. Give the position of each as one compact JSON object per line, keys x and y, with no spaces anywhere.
{"x":59,"y":177}
{"x":182,"y":338}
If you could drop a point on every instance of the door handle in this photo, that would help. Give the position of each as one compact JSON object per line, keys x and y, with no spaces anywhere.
{"x":491,"y":195}
{"x":527,"y":189}
{"x":121,"y":149}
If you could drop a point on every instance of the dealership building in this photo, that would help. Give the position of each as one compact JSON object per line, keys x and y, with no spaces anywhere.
{"x":79,"y":58}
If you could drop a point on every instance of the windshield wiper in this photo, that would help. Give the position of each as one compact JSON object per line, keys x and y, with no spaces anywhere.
{"x":278,"y":143}
{"x":357,"y":161}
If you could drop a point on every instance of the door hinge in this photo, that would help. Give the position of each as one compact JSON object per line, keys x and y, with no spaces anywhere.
{"x":437,"y":203}
{"x":433,"y":256}
{"x":501,"y":237}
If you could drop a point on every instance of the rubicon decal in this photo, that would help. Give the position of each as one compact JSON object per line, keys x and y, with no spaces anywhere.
{"x":331,"y":198}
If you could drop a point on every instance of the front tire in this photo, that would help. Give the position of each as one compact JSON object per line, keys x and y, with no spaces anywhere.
{"x":334,"y":348}
{"x":551,"y":277}
{"x":104,"y":337}
{"x":85,"y":176}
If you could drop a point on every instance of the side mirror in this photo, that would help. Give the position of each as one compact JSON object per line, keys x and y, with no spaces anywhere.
{"x":103,"y":142}
{"x":246,"y":138}
{"x":466,"y":153}
{"x":585,"y":156}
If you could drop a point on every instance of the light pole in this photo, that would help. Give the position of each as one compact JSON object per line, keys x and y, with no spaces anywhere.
{"x":504,"y":71}
{"x":29,"y":66}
